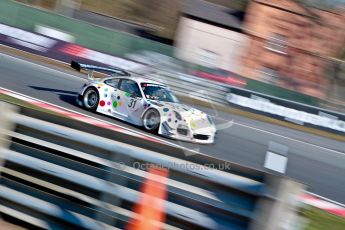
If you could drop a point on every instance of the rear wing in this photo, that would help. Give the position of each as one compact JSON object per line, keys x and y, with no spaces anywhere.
{"x":113,"y":70}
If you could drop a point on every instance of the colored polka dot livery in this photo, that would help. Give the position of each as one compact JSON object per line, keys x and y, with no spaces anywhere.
{"x":165,"y":110}
{"x":120,"y":103}
{"x":115,"y":104}
{"x":102,"y":103}
{"x":108,"y":103}
{"x":118,"y":97}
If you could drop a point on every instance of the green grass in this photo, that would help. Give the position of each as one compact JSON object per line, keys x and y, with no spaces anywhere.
{"x":321,"y":220}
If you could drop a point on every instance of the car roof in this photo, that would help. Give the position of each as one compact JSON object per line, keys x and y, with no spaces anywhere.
{"x":139,"y":80}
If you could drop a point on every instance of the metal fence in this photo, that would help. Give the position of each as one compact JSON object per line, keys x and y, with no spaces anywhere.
{"x":54,"y":177}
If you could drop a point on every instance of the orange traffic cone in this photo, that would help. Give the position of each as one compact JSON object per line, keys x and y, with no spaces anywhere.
{"x":150,"y":208}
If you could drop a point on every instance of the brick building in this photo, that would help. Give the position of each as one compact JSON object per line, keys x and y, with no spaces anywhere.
{"x":291,"y":45}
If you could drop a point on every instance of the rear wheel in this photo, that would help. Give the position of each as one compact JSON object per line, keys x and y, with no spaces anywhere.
{"x":90,"y":99}
{"x":151,"y":120}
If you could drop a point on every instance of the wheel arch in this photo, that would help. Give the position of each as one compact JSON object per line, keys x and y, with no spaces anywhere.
{"x":89,"y":87}
{"x":151,"y":108}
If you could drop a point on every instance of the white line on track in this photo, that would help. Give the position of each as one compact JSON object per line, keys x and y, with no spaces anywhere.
{"x":289,"y":138}
{"x":285,"y":137}
{"x":326,"y":199}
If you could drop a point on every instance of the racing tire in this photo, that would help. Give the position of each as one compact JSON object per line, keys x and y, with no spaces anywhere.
{"x":90,"y":99}
{"x":151,"y":120}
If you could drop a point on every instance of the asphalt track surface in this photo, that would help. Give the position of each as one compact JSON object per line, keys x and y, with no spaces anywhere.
{"x":317,"y":161}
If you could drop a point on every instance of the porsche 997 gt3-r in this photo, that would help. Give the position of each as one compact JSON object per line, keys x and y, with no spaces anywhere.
{"x":145,"y":103}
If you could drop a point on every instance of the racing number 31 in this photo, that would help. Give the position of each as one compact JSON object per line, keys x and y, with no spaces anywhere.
{"x":131,"y":103}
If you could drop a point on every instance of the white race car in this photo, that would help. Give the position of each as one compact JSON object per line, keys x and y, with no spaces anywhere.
{"x":144,"y":102}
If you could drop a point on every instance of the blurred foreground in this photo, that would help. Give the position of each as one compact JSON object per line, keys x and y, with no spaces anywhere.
{"x":57,"y":176}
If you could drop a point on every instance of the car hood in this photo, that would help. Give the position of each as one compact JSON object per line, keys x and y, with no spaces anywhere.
{"x":183,"y":115}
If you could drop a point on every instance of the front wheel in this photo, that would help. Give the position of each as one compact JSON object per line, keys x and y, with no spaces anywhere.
{"x":151,"y":120}
{"x":90,"y":99}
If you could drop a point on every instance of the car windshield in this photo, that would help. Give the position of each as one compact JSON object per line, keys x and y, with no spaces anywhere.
{"x":158,"y":92}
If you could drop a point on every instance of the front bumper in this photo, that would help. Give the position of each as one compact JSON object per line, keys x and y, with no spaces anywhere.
{"x":209,"y":140}
{"x":187,"y":135}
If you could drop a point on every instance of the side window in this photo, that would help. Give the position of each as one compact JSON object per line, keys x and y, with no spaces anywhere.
{"x":131,"y":87}
{"x":113,"y":82}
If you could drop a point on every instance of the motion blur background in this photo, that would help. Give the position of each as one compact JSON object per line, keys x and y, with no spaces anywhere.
{"x":294,"y":44}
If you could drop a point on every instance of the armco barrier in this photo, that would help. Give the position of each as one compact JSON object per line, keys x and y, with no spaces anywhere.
{"x":92,"y":36}
{"x":58,"y":177}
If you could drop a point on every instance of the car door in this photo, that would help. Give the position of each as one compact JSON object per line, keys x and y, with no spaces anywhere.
{"x":130,"y":100}
{"x":112,"y":94}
